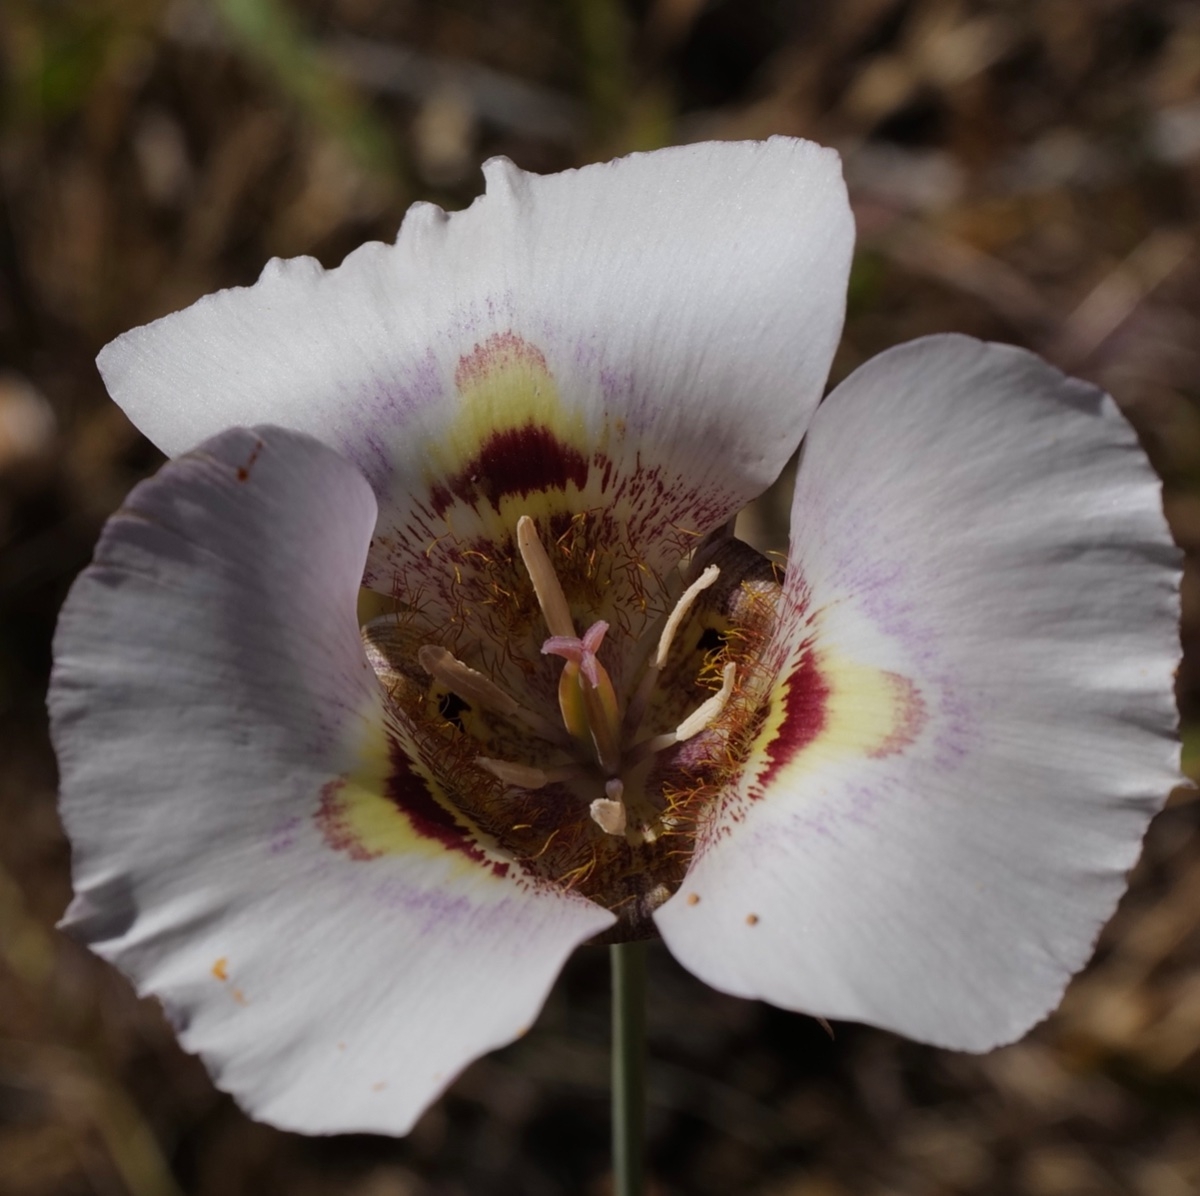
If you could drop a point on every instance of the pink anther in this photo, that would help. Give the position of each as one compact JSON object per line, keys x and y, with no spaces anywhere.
{"x":581,"y":651}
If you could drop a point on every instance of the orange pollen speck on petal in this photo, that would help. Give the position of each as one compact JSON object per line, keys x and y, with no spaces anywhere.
{"x":220,"y":969}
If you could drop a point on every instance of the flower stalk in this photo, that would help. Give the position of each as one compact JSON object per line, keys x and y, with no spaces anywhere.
{"x":628,"y":1067}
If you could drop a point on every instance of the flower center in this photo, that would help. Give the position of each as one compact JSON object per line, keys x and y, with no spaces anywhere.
{"x":599,"y":733}
{"x":574,"y":711}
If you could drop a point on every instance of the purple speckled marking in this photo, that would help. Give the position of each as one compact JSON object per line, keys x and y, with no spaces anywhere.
{"x":861,"y":802}
{"x":383,"y":884}
{"x":640,"y":408}
{"x":614,"y":385}
{"x":437,"y":911}
{"x":380,"y":470}
{"x":857,"y":804}
{"x":585,"y":356}
{"x":381,"y":411}
{"x":283,"y":837}
{"x":433,"y":905}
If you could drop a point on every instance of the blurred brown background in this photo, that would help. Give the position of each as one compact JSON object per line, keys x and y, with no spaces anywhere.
{"x":1025,"y":171}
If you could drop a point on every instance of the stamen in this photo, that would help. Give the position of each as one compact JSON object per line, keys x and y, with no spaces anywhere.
{"x":608,"y":813}
{"x":474,"y":688}
{"x":682,"y":607}
{"x":525,"y":776}
{"x":641,"y":699}
{"x":546,"y":586}
{"x":590,"y":711}
{"x":699,"y":720}
{"x":708,"y":712}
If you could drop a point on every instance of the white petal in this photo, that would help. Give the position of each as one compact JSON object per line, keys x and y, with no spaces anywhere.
{"x":334,"y":959}
{"x":977,"y":721}
{"x":651,"y":333}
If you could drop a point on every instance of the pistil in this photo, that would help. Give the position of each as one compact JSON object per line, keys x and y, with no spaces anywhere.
{"x":586,"y":695}
{"x":596,"y":733}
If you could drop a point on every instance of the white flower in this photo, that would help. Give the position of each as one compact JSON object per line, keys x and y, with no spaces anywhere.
{"x":900,"y":784}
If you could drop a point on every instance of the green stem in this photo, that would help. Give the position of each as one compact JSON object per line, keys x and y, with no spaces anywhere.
{"x":628,"y":1067}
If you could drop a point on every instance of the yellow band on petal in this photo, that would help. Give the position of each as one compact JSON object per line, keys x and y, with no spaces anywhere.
{"x":513,"y":437}
{"x":390,"y":805}
{"x":828,"y":706}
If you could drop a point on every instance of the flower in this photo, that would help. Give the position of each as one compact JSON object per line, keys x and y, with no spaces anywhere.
{"x":899,"y":781}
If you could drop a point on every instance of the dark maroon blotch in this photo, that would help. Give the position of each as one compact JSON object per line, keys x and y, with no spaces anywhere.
{"x":523,"y":460}
{"x":805,"y":713}
{"x":407,"y":790}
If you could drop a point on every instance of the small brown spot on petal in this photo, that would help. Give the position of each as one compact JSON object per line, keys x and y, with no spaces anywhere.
{"x":379,"y":1086}
{"x":751,"y":919}
{"x":240,"y":997}
{"x":243,"y":473}
{"x":341,"y":1046}
{"x":693,"y":899}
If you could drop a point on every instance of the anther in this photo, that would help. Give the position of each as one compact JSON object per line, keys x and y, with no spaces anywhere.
{"x":608,"y":815}
{"x":699,"y":720}
{"x":682,"y":607}
{"x":708,"y":712}
{"x":637,"y":708}
{"x":525,"y":776}
{"x":608,"y":812}
{"x":546,"y":585}
{"x":474,"y":688}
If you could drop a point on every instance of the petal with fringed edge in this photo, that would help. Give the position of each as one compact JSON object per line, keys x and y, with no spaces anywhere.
{"x":251,"y":843}
{"x":974,"y":719}
{"x":637,"y":345}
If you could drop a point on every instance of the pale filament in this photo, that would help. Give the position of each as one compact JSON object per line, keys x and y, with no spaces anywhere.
{"x":682,"y":607}
{"x":708,"y":712}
